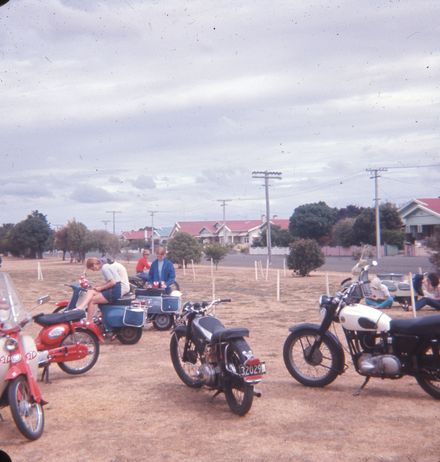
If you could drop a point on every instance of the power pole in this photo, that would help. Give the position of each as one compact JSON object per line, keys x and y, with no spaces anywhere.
{"x":266,"y":175}
{"x":114,"y":212}
{"x":223,"y":204}
{"x":106,"y":222}
{"x":374,"y":172}
{"x":152,"y":212}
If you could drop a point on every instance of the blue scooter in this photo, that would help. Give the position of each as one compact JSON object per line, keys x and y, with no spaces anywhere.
{"x":117,"y":320}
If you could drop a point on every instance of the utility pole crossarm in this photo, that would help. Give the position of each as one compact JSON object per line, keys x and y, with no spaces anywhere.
{"x":223,"y":204}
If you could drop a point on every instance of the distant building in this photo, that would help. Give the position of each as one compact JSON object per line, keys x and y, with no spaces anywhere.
{"x":161,"y":235}
{"x":421,"y":218}
{"x":231,"y":232}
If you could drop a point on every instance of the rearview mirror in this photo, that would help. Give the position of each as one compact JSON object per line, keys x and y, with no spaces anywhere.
{"x":42,"y":300}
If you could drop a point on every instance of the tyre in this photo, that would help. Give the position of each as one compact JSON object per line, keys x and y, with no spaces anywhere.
{"x":163,"y":321}
{"x":186,"y":370}
{"x":27,"y":415}
{"x":239,"y":395}
{"x":429,"y":376}
{"x":129,"y":335}
{"x":322,"y":367}
{"x":80,"y":366}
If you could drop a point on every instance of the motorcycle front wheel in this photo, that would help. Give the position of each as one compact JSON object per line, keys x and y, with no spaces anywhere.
{"x":27,"y":415}
{"x":311,"y":365}
{"x":239,"y":395}
{"x":187,"y":369}
{"x":129,"y":335}
{"x":80,"y":366}
{"x":429,"y":376}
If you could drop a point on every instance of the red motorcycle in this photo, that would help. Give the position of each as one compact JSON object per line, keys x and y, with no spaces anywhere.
{"x":68,"y":340}
{"x":19,"y":364}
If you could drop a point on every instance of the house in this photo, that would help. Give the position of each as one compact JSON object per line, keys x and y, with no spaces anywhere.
{"x":421,"y":218}
{"x":229,"y":232}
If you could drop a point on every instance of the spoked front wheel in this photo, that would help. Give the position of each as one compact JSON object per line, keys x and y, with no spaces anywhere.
{"x":80,"y":366}
{"x":186,"y":364}
{"x":27,"y":414}
{"x":429,"y":375}
{"x":313,"y":360}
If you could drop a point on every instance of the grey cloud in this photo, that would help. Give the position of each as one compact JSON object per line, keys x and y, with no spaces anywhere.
{"x":144,"y":182}
{"x":92,"y":194}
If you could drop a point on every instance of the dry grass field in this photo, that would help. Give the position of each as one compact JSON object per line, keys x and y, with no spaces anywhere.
{"x":132,"y":406}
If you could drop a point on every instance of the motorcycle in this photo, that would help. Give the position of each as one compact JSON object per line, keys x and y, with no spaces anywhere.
{"x":67,"y":340}
{"x":116,"y":320}
{"x":19,"y":364}
{"x":205,"y":352}
{"x":379,"y":346}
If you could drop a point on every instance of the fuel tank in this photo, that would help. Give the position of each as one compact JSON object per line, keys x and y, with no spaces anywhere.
{"x":364,"y":318}
{"x":31,"y":356}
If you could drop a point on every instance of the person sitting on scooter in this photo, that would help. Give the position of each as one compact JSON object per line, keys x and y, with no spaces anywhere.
{"x":162,"y":272}
{"x":106,"y":293}
{"x":122,"y":271}
{"x":380,"y":295}
{"x":431,"y":292}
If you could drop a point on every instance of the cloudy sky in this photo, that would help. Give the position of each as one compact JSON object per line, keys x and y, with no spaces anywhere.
{"x":168,"y":106}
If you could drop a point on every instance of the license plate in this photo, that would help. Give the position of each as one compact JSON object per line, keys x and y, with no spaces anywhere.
{"x":248,"y":370}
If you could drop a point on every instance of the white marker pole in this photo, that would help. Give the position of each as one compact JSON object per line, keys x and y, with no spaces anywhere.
{"x":184,"y":267}
{"x":267,"y":269}
{"x":278,"y":286}
{"x":413,"y":298}
{"x":39,"y":272}
{"x":194,"y":270}
{"x":284,"y":266}
{"x":256,"y":270}
{"x":261,"y":269}
{"x":327,"y":288}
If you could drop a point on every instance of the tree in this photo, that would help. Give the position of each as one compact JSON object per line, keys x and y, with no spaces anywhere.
{"x":342,"y":232}
{"x":313,"y":221}
{"x":215,"y":251}
{"x":31,"y":236}
{"x":350,"y":211}
{"x":79,"y":240}
{"x":184,"y":247}
{"x":280,"y":237}
{"x":5,"y":237}
{"x":61,"y":241}
{"x":305,"y":256}
{"x":105,"y":242}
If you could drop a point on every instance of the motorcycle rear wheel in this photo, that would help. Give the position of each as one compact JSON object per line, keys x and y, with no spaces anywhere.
{"x":27,"y":414}
{"x":80,"y":366}
{"x":129,"y":335}
{"x":429,"y":377}
{"x":163,"y":321}
{"x":186,"y":370}
{"x":322,"y":367}
{"x":239,"y":395}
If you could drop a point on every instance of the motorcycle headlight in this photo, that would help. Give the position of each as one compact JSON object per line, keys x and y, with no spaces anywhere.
{"x":11,"y":344}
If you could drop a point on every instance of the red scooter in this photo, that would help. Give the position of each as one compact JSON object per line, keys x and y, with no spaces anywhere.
{"x":68,"y":340}
{"x":19,"y":364}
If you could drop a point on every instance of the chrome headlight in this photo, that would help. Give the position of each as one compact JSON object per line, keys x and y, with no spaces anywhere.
{"x":11,"y":344}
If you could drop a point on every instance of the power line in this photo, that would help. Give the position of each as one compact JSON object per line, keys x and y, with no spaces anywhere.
{"x":266,"y":175}
{"x":114,"y":212}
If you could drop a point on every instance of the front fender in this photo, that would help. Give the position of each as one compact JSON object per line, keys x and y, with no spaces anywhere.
{"x":180,"y":330}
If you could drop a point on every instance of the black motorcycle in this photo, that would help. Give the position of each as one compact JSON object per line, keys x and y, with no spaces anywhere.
{"x":379,"y":346}
{"x":205,"y":352}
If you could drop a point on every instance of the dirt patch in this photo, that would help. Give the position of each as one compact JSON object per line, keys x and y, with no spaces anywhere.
{"x":132,"y":407}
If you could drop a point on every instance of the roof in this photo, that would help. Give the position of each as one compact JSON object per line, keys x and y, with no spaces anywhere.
{"x":431,"y":205}
{"x":132,"y":235}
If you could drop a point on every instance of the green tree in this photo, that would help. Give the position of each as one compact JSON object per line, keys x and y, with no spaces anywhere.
{"x":313,"y":221}
{"x":105,"y":242}
{"x":342,"y":232}
{"x":305,"y":256}
{"x":61,"y":241}
{"x":280,"y":237}
{"x":182,"y":247}
{"x":215,"y":251}
{"x":79,"y":240}
{"x":350,"y":211}
{"x":5,"y":237}
{"x":31,"y":236}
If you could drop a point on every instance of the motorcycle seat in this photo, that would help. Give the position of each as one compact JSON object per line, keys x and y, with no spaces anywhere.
{"x":426,"y":325}
{"x":122,"y":301}
{"x":222,"y":335}
{"x":57,"y":318}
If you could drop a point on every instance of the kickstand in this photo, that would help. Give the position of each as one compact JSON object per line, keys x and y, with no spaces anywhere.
{"x":216,"y":394}
{"x":45,"y":374}
{"x":358,"y":392}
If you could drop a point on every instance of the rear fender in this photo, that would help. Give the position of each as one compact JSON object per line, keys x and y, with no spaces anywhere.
{"x":91,"y":326}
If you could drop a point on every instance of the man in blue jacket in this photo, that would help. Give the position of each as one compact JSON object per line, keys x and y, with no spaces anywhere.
{"x":161,"y":273}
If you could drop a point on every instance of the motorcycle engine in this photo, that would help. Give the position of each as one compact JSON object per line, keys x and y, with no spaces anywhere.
{"x":207,"y":374}
{"x":379,"y":365}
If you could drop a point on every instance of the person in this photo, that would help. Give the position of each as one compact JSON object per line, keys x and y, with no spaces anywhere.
{"x":122,"y":271}
{"x":161,"y":272}
{"x":380,"y":295}
{"x":105,"y":293}
{"x":142,"y":263}
{"x":431,"y":292}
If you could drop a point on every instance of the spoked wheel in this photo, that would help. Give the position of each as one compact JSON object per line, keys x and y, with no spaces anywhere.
{"x":80,"y":366}
{"x":129,"y":335}
{"x":27,"y":415}
{"x":310,"y":364}
{"x":239,"y":395}
{"x":163,"y":321}
{"x":186,"y":368}
{"x":429,"y":376}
